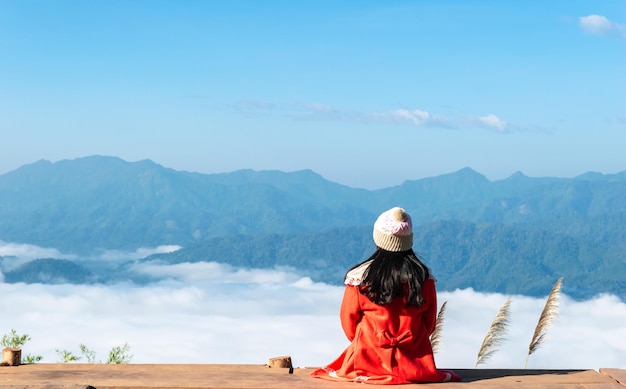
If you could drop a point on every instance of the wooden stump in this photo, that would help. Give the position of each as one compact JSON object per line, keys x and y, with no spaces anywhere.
{"x":281,"y":362}
{"x":11,"y":356}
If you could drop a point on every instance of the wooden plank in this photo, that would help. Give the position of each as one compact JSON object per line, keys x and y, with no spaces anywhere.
{"x":135,"y":376}
{"x":618,"y":375}
{"x":524,"y":378}
{"x":157,"y":376}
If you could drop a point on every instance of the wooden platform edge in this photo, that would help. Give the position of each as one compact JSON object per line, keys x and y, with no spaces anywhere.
{"x":237,"y":376}
{"x":618,"y":375}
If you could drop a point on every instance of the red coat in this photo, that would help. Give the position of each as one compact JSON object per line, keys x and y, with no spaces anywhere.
{"x":390,"y":344}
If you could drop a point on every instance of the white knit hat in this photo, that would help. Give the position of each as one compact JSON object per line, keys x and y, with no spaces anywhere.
{"x":393,"y":230}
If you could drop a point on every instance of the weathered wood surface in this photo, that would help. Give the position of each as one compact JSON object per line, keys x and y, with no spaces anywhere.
{"x":136,"y":376}
{"x":618,"y":374}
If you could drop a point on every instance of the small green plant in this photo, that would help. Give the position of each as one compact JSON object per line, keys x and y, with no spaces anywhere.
{"x":88,"y":353}
{"x":120,"y":355}
{"x":31,"y":359}
{"x":14,"y":340}
{"x":117,"y":355}
{"x":66,"y":356}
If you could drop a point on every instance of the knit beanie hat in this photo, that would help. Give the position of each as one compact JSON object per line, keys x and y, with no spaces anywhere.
{"x":393,"y":230}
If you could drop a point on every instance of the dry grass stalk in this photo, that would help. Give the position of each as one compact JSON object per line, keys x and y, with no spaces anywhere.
{"x":495,"y":335}
{"x":435,"y":337}
{"x":548,"y":316}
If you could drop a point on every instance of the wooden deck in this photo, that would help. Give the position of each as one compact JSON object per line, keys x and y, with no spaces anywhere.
{"x":102,"y":376}
{"x":131,"y":376}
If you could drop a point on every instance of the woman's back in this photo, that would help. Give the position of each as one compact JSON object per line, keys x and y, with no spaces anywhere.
{"x":390,"y":344}
{"x":388,"y":313}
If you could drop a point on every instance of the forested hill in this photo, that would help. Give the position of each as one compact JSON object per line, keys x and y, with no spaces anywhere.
{"x":487,"y":257}
{"x":516,"y":235}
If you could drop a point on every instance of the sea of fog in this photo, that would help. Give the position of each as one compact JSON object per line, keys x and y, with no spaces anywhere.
{"x":214,"y":313}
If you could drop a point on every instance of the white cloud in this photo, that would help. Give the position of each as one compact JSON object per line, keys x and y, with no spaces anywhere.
{"x":17,"y":254}
{"x":21,"y":253}
{"x":492,"y":121}
{"x":142,"y":252}
{"x":213,"y":272}
{"x":415,"y":117}
{"x":401,"y":116}
{"x":585,"y":336}
{"x":210,"y":313}
{"x":29,"y":251}
{"x":598,"y":24}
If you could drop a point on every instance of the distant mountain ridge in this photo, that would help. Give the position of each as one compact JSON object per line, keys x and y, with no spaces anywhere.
{"x":104,"y":202}
{"x":88,"y":205}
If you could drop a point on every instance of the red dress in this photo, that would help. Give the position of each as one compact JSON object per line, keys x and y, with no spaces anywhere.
{"x":390,"y":344}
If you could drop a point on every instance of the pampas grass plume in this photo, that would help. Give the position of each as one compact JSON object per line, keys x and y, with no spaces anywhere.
{"x":495,"y":335}
{"x":435,"y":337}
{"x":549,"y":315}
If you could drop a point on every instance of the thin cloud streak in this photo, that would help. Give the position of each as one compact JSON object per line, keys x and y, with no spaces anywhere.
{"x":415,"y":118}
{"x":18,"y":253}
{"x":213,"y":313}
{"x":29,"y":251}
{"x":142,"y":252}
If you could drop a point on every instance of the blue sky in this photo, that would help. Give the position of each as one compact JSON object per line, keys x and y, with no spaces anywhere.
{"x":365,"y":93}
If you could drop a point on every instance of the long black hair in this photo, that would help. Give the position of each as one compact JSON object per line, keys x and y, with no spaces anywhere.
{"x":390,"y":274}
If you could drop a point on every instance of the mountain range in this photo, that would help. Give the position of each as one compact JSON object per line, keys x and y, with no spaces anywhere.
{"x":516,"y":235}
